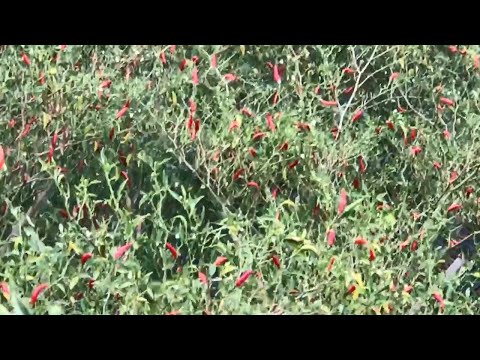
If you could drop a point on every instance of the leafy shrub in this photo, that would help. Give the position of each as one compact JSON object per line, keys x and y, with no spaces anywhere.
{"x":237,"y":179}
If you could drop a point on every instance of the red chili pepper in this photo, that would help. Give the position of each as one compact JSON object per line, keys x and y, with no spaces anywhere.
{"x":331,"y":237}
{"x":413,"y":134}
{"x":233,"y":125}
{"x":5,"y":290}
{"x":63,"y":213}
{"x":394,"y":76}
{"x":351,"y":289}
{"x":275,"y":98}
{"x":303,"y":126}
{"x":123,"y":110}
{"x":293,"y":164}
{"x":454,"y":207}
{"x":75,"y":211}
{"x":476,"y":62}
{"x":276,"y":261}
{"x":468,"y":191}
{"x":401,"y":110}
{"x":91,"y":283}
{"x":342,"y":204}
{"x":238,"y":173}
{"x":453,"y":177}
{"x":317,"y":90}
{"x":415,"y":150}
{"x":360,"y":241}
{"x":25,"y":59}
{"x":252,"y":152}
{"x":408,"y":289}
{"x":328,"y":103}
{"x":356,"y":183}
{"x":111,"y":134}
{"x":183,"y":63}
{"x":63,"y":47}
{"x":270,"y":122}
{"x":361,"y":164}
{"x":86,"y":257}
{"x":221,"y":260}
{"x":390,"y":124}
{"x":349,"y":90}
{"x":330,"y":263}
{"x":334,"y":132}
{"x":126,"y":177}
{"x":229,"y":77}
{"x":243,"y":278}
{"x":258,"y":135}
{"x":193,"y":106}
{"x":276,"y":76}
{"x":194,"y":128}
{"x":247,"y":112}
{"x":122,"y":158}
{"x":78,"y":296}
{"x":36,"y":293}
{"x":275,"y":191}
{"x":453,"y":49}
{"x":51,"y":151}
{"x":122,"y":250}
{"x":163,"y":58}
{"x":372,"y":255}
{"x":438,"y":298}
{"x":202,"y":277}
{"x":447,"y":101}
{"x":348,"y":71}
{"x":190,"y":122}
{"x":42,"y":78}
{"x":213,"y":61}
{"x":253,"y":184}
{"x":2,"y":157}
{"x":26,"y":130}
{"x":357,"y":115}
{"x":446,"y":134}
{"x":195,"y":80}
{"x":175,"y":312}
{"x":284,"y":146}
{"x":195,"y":59}
{"x":54,"y":140}
{"x":172,"y":250}
{"x":106,"y":84}
{"x":414,"y":246}
{"x":404,"y":244}
{"x":278,"y":215}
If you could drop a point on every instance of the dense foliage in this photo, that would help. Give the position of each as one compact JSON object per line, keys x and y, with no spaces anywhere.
{"x":238,"y":179}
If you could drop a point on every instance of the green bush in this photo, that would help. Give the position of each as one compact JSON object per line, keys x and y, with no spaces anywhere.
{"x":238,"y":179}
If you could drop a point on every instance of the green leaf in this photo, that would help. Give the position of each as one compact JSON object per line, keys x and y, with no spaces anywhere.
{"x":73,"y":282}
{"x":310,"y":247}
{"x":126,"y":284}
{"x":4,"y":310}
{"x":389,"y":220}
{"x":19,"y":306}
{"x":211,"y":270}
{"x":55,"y":310}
